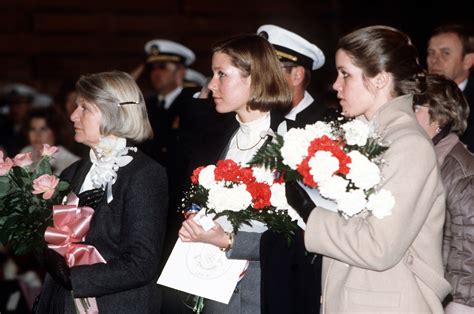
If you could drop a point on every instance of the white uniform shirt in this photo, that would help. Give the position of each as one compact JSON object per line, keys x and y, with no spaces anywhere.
{"x":302,"y":105}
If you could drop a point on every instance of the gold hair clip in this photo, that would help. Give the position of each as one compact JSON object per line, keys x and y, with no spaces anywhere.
{"x":127,"y":103}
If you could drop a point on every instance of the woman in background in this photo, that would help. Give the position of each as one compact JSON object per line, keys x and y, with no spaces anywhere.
{"x":442,"y":111}
{"x":45,"y":126}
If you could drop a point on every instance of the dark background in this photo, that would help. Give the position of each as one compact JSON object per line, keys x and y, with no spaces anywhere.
{"x":43,"y":42}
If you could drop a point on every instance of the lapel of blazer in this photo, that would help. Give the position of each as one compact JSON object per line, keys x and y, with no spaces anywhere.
{"x":80,"y":175}
{"x":275,"y":119}
{"x":224,"y":146}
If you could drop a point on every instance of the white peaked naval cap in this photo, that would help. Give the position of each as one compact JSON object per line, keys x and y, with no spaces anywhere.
{"x":162,"y":50}
{"x":292,"y":47}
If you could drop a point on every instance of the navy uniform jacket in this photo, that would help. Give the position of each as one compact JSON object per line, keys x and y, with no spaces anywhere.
{"x":291,"y":277}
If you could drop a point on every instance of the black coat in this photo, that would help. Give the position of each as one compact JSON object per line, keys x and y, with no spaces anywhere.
{"x":129,"y":234}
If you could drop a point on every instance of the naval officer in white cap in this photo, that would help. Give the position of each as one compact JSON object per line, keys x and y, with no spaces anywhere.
{"x":166,"y":62}
{"x":299,"y":58}
{"x":291,"y":277}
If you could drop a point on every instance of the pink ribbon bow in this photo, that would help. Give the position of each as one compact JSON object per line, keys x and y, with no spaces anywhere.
{"x":71,"y":224}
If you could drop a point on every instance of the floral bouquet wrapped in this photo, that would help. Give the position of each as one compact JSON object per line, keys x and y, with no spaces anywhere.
{"x":342,"y":161}
{"x":27,"y":197}
{"x":242,"y":195}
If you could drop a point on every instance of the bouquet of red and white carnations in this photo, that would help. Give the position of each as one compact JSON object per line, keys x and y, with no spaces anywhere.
{"x":341,"y":160}
{"x":27,"y":197}
{"x":242,"y":195}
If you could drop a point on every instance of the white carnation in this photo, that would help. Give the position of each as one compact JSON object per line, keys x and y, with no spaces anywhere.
{"x":207,"y":178}
{"x":333,"y":187}
{"x":356,"y":132}
{"x":381,"y":203}
{"x":352,"y":202}
{"x":295,"y":147}
{"x":322,"y":165}
{"x":278,"y":197}
{"x":363,"y":173}
{"x":263,"y":175}
{"x":317,"y":130}
{"x":236,"y":198}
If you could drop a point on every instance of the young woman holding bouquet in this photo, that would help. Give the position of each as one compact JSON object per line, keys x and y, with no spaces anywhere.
{"x":372,"y":263}
{"x":128,"y":223}
{"x":247,"y":80}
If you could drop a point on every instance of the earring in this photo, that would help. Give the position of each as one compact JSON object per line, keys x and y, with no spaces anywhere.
{"x":438,"y":129}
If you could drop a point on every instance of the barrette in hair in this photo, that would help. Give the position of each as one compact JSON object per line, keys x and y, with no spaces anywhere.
{"x":127,"y":103}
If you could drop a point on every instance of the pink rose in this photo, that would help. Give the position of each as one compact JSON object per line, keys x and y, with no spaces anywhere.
{"x":23,"y":160}
{"x":45,"y":184}
{"x":5,"y":165}
{"x":48,"y":150}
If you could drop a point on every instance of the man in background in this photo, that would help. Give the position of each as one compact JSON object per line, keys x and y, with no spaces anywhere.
{"x":451,"y":54}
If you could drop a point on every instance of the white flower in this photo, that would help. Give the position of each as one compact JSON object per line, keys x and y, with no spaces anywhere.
{"x":363,"y":173}
{"x":318,"y":130}
{"x":333,"y":187}
{"x":263,"y":175}
{"x":295,"y":147}
{"x":352,"y":202}
{"x":357,"y":132}
{"x":107,"y":157}
{"x":322,"y":165}
{"x":381,"y":203}
{"x":235,"y":198}
{"x":278,"y":197}
{"x":206,"y":177}
{"x":111,"y":146}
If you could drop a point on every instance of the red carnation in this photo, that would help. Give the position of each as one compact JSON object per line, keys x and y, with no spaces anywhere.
{"x":261,"y":194}
{"x":227,"y":170}
{"x":324,"y":143}
{"x":195,"y":175}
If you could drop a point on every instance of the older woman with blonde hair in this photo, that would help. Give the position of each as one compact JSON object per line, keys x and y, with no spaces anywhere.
{"x":442,"y":111}
{"x":128,"y":191}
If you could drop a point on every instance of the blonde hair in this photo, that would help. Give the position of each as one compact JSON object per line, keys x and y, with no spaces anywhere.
{"x":121,"y":103}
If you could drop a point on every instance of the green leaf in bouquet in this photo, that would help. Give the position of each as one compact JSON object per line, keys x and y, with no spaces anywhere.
{"x":5,"y":186}
{"x":62,"y":186}
{"x":269,"y":156}
{"x":43,"y":167}
{"x":32,"y":208}
{"x":20,"y":172}
{"x":12,"y":221}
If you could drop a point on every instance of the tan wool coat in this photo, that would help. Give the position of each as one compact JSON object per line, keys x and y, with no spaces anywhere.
{"x":394,"y":264}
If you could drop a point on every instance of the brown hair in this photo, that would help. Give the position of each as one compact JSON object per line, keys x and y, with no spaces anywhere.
{"x":381,"y":48}
{"x":256,"y":58}
{"x":447,"y":104}
{"x":54,"y":120}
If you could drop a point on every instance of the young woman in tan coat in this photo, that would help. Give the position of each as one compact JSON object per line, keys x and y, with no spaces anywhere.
{"x":393,"y":264}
